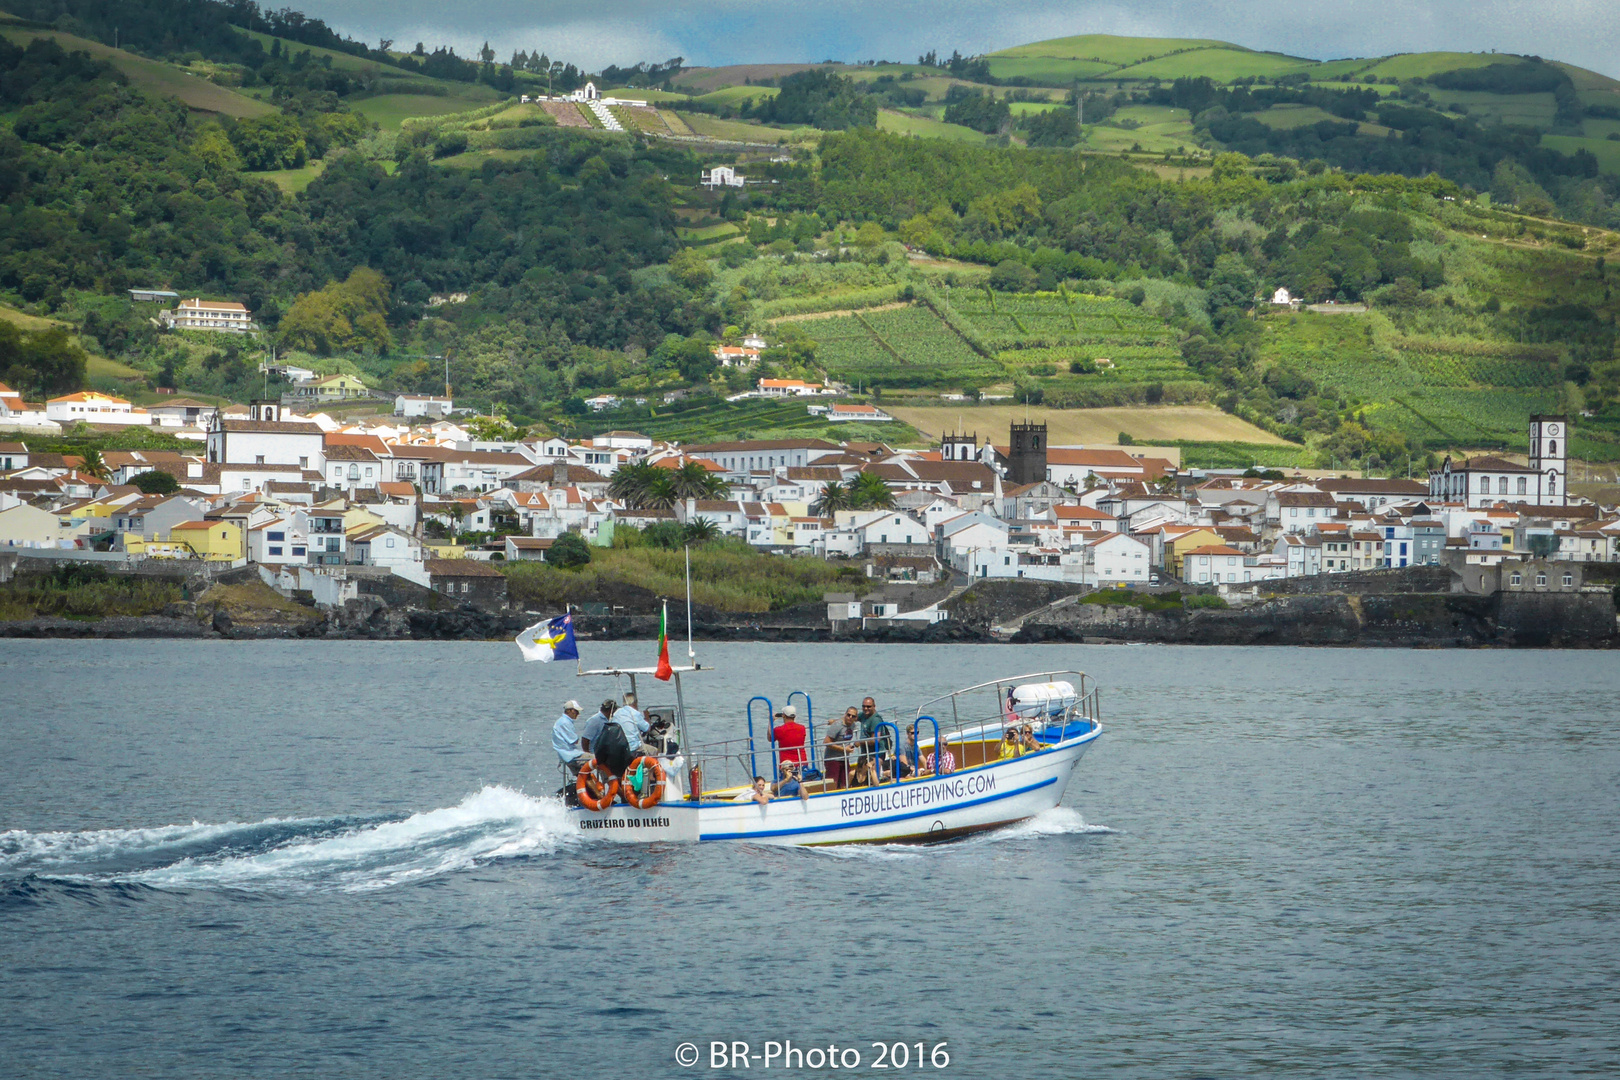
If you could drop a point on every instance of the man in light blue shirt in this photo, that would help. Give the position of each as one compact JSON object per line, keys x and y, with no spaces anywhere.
{"x":565,"y":739}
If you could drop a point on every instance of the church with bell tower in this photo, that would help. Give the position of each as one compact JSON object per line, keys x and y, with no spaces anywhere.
{"x":1481,"y":482}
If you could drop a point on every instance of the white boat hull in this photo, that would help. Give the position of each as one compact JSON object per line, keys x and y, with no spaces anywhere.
{"x":913,"y":811}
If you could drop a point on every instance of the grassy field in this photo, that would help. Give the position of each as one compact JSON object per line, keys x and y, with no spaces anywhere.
{"x":732,"y":130}
{"x":1150,"y":424}
{"x":1222,"y":65}
{"x":1051,"y":70}
{"x":1533,"y":109}
{"x":1108,"y":48}
{"x":292,"y":181}
{"x":1606,"y":151}
{"x":709,"y":235}
{"x":392,"y":110}
{"x":704,"y":80}
{"x":155,"y":77}
{"x":25,"y":321}
{"x":1025,"y":108}
{"x":645,"y":93}
{"x":736,"y":95}
{"x":921,"y":126}
{"x":1422,"y":65}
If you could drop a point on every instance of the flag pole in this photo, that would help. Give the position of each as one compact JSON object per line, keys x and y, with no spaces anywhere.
{"x":690,"y":655}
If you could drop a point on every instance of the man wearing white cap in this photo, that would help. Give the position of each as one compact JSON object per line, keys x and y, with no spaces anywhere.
{"x":789,"y":735}
{"x":565,"y":739}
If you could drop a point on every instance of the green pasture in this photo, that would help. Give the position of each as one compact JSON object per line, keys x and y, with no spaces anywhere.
{"x":1288,"y":117}
{"x":392,"y":110}
{"x":736,"y":95}
{"x":1424,"y":64}
{"x":1107,"y":48}
{"x":923,"y":127}
{"x":1333,"y":69}
{"x":292,"y":181}
{"x":1048,"y":70}
{"x":1529,"y":109}
{"x":643,"y":93}
{"x":1029,"y":108}
{"x":155,"y":77}
{"x":1607,"y":152}
{"x":1222,"y":65}
{"x":732,"y":130}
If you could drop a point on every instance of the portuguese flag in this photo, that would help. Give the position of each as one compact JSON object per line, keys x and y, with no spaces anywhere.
{"x":664,"y":670}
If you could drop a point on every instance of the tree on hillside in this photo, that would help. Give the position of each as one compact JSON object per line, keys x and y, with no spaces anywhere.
{"x":347,"y":315}
{"x":701,"y":531}
{"x":42,"y":363}
{"x":91,"y":464}
{"x":643,"y":486}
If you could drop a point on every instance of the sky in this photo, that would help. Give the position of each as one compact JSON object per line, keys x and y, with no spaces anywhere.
{"x":712,"y":32}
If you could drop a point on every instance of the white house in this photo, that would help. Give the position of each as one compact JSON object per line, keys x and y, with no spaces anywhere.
{"x":870,"y":414}
{"x":602,"y":403}
{"x":1112,"y":558}
{"x":264,"y":438}
{"x":723,"y":176}
{"x":888,"y":529}
{"x":410,"y":405}
{"x":1212,"y":564}
{"x":278,"y":542}
{"x":94,"y":408}
{"x":196,"y":314}
{"x":394,"y":549}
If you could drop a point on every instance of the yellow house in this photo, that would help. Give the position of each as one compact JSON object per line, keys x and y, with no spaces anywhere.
{"x":211,"y":541}
{"x":1177,"y":546}
{"x":332,"y":388}
{"x":24,"y":525}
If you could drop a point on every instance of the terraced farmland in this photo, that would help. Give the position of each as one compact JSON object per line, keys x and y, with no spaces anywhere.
{"x":1031,"y":330}
{"x":908,"y":346}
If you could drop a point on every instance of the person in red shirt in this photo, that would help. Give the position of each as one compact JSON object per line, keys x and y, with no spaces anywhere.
{"x":790,"y":735}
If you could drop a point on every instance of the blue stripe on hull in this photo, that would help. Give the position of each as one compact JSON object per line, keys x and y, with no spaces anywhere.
{"x":933,"y":812}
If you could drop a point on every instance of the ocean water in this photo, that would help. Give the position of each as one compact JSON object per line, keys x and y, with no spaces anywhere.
{"x":340,"y":859}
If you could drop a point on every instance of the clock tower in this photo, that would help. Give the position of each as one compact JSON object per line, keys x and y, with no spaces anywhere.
{"x":1549,"y":457}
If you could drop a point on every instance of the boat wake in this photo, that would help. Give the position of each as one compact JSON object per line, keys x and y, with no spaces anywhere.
{"x":1059,"y":821}
{"x":301,"y":854}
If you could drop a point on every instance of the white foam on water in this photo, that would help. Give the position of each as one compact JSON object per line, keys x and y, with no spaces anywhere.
{"x":26,"y":851}
{"x":1058,"y":821}
{"x":494,"y":823}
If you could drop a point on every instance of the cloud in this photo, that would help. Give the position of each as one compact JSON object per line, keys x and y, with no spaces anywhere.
{"x":1584,"y":32}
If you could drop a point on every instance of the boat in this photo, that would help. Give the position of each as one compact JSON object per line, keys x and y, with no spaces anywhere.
{"x":703,"y":793}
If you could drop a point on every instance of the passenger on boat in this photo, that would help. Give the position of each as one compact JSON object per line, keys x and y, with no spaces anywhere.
{"x":619,"y":742}
{"x":947,"y":761}
{"x":1011,"y":745}
{"x":791,"y":783}
{"x":863,"y":775}
{"x":880,"y":742}
{"x":789,"y":735}
{"x":565,"y":739}
{"x":842,"y":747}
{"x":1026,"y":735}
{"x":760,"y":792}
{"x":593,"y":726}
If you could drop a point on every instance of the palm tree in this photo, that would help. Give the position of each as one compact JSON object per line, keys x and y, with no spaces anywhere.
{"x":834,"y":497}
{"x":869,"y":492}
{"x":638,"y":485}
{"x":701,"y":530}
{"x":91,"y":464}
{"x":693,"y":481}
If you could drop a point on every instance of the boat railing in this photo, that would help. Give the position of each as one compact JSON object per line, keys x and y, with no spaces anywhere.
{"x":728,"y":766}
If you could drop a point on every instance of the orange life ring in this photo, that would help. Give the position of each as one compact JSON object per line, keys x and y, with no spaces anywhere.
{"x":593,"y":794}
{"x":653,"y":793}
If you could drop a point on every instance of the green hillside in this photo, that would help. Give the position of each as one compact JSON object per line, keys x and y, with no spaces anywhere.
{"x":151,"y":75}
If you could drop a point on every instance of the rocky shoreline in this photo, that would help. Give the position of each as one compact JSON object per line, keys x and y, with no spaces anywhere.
{"x":1404,"y":620}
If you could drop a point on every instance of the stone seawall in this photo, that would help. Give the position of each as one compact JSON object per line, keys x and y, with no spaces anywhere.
{"x":1435,"y":620}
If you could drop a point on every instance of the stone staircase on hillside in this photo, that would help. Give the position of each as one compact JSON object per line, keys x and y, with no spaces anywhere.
{"x":609,"y":121}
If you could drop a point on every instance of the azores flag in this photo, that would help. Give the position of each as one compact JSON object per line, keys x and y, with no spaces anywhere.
{"x":551,"y":639}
